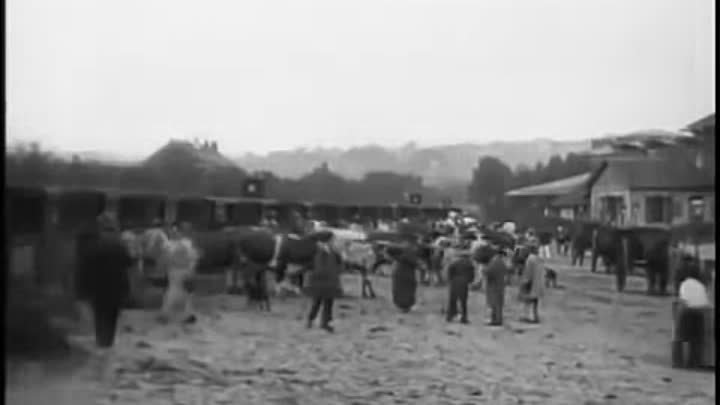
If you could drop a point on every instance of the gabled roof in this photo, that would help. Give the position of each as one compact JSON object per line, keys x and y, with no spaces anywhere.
{"x":553,"y":188}
{"x":659,"y":174}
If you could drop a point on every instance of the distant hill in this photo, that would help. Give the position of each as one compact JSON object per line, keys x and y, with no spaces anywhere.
{"x":438,"y":165}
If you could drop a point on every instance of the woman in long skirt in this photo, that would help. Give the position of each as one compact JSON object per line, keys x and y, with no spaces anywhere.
{"x":404,"y":280}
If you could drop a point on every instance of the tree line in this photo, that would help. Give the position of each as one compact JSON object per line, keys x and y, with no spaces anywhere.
{"x":30,"y":165}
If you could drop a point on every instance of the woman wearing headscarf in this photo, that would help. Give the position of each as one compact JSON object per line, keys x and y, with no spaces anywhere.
{"x":324,"y":281}
{"x":102,"y":278}
{"x":532,"y":285}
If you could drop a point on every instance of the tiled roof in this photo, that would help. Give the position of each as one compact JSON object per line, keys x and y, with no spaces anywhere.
{"x":553,"y":188}
{"x":702,"y":123}
{"x":659,"y":174}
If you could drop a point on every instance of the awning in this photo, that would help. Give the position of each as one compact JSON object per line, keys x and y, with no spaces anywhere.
{"x":553,"y":188}
{"x":570,"y":200}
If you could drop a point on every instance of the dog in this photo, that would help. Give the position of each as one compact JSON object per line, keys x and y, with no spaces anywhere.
{"x":550,"y":278}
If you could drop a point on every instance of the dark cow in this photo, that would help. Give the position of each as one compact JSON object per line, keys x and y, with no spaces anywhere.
{"x":649,"y":248}
{"x":258,"y":246}
{"x":622,"y":249}
{"x":599,"y":239}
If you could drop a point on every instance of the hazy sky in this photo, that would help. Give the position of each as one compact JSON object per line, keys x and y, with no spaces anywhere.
{"x":259,"y":75}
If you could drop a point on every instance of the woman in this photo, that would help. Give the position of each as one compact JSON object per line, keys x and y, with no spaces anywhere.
{"x":404,"y":280}
{"x":179,"y":258}
{"x":324,"y":281}
{"x":531,"y":284}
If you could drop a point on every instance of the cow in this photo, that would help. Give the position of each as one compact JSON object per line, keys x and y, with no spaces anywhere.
{"x":650,"y":248}
{"x":275,"y":250}
{"x":360,"y":256}
{"x":622,"y":248}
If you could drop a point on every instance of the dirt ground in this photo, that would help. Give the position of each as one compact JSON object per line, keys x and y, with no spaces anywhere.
{"x":592,"y":347}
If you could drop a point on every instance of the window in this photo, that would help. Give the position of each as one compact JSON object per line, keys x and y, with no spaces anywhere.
{"x":677,"y":208}
{"x":612,"y":208}
{"x":658,"y":209}
{"x":697,"y":207}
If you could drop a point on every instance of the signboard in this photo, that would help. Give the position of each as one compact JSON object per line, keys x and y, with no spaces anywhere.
{"x":254,"y":188}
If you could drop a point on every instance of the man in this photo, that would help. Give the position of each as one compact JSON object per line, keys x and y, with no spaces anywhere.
{"x":482,"y":252}
{"x":461,"y":274}
{"x":690,"y":326}
{"x":324,"y":281}
{"x":545,"y":239}
{"x":532,"y":284}
{"x":102,"y":278}
{"x":562,"y":239}
{"x":495,"y":275}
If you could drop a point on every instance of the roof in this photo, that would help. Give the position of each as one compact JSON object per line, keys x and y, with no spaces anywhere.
{"x":571,"y":200}
{"x":658,"y":174}
{"x":640,"y":141}
{"x":553,"y":188}
{"x":703,"y":123}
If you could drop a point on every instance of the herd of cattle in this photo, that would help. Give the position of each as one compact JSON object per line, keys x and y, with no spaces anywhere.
{"x":232,"y":250}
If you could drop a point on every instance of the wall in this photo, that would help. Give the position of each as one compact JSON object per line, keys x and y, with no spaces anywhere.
{"x":610,"y":183}
{"x":679,"y":197}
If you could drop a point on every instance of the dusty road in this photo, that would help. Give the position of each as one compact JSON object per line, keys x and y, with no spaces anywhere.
{"x":593,"y":347}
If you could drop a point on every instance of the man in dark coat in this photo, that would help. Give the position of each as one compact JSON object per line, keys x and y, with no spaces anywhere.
{"x":461,"y":273}
{"x":102,"y":278}
{"x":496,"y":274}
{"x":324,"y":281}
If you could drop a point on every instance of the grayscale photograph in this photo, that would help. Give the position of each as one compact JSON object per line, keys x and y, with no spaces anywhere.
{"x":330,"y":202}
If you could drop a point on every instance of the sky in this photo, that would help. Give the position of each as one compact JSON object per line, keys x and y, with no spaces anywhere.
{"x":261,"y":75}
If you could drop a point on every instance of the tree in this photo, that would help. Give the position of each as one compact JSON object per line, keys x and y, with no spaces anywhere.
{"x":491,"y":179}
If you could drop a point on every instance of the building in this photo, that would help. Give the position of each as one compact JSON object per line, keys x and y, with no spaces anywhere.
{"x":567,"y":198}
{"x":652,"y":192}
{"x":704,"y":131}
{"x":656,"y":178}
{"x":645,"y":178}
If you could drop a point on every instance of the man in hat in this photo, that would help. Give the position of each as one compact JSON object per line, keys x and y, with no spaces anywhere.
{"x":102,"y":278}
{"x":495,"y":275}
{"x":324,"y":281}
{"x":461,"y":274}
